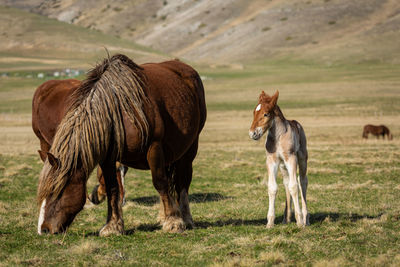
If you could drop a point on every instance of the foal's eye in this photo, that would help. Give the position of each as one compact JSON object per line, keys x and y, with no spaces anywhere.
{"x":266,"y":115}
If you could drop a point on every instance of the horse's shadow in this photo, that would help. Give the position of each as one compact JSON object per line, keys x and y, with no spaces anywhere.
{"x":315,"y":218}
{"x":193,"y":198}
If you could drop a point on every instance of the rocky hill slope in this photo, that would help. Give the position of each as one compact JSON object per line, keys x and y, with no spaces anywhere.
{"x":242,"y":30}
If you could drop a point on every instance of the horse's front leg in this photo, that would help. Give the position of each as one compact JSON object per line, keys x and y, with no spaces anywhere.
{"x":172,"y":220}
{"x":272,"y":164}
{"x":115,"y":223}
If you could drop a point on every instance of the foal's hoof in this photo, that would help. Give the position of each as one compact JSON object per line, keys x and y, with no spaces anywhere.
{"x":112,"y":228}
{"x":173,"y":225}
{"x":300,"y":222}
{"x":307,"y":219}
{"x":270,"y":225}
{"x":95,"y":197}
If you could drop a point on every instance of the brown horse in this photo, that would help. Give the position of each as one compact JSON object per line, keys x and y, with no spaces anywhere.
{"x":377,"y":131}
{"x":49,"y":105}
{"x":146,"y":117}
{"x":286,"y":147}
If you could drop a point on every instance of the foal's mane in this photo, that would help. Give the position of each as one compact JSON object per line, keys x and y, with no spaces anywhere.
{"x":93,"y":126}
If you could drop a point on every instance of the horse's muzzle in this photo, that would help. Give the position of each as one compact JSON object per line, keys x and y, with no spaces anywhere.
{"x":256,"y":134}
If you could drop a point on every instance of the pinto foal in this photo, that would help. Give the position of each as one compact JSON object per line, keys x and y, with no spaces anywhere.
{"x":286,"y":147}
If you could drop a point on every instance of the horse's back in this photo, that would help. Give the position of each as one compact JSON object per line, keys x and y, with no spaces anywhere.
{"x":49,"y":105}
{"x":179,"y":89}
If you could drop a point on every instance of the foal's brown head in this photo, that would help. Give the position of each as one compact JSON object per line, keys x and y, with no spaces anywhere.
{"x":58,"y":210}
{"x":263,"y":115}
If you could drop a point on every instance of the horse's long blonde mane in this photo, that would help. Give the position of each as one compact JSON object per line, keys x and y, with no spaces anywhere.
{"x":93,"y":126}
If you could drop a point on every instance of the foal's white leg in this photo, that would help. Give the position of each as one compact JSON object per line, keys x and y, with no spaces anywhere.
{"x":304,"y":183}
{"x":288,"y":212}
{"x":272,"y":165}
{"x":291,"y":165}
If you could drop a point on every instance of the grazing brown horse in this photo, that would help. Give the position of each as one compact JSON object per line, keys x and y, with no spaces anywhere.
{"x":146,"y":117}
{"x":49,"y":105}
{"x":286,"y":147}
{"x":380,"y":130}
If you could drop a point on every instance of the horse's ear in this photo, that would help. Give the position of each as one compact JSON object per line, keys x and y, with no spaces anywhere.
{"x":275,"y":98}
{"x":43,"y":155}
{"x":262,"y":96}
{"x":53,"y":160}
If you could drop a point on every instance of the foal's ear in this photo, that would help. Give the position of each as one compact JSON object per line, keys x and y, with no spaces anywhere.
{"x":53,"y":160}
{"x":262,"y":96}
{"x":43,"y":155}
{"x":275,"y":98}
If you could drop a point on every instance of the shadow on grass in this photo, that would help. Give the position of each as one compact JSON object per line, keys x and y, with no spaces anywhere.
{"x":320,"y":217}
{"x":193,"y":198}
{"x":316,"y":218}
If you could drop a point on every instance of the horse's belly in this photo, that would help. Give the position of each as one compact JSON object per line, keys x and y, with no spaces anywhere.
{"x":181,"y":130}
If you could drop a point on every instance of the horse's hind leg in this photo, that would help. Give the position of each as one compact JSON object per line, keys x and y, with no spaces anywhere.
{"x":115,"y":223}
{"x":172,"y":217}
{"x":121,"y":172}
{"x":303,"y":184}
{"x":183,"y":178}
{"x":288,"y":212}
{"x":99,"y":194}
{"x":291,"y":165}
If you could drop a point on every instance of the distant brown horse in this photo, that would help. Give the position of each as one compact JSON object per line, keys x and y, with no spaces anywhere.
{"x":146,"y":117}
{"x":377,"y":131}
{"x":49,"y":105}
{"x":286,"y":147}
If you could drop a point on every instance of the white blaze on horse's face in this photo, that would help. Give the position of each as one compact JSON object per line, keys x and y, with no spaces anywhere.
{"x":57,"y":214}
{"x":41,"y":216}
{"x":261,"y":121}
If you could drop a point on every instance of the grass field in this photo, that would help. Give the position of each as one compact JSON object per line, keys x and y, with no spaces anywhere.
{"x":354,"y":184}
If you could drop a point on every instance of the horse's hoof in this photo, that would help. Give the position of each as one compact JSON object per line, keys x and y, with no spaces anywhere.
{"x":94,"y":197}
{"x":189,"y":223}
{"x":173,"y":225}
{"x":112,"y":228}
{"x":300,"y":223}
{"x":161,"y":218}
{"x":307,"y":219}
{"x":270,"y":225}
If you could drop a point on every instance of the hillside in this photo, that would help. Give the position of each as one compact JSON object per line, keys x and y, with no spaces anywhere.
{"x":326,"y":31}
{"x":32,"y":41}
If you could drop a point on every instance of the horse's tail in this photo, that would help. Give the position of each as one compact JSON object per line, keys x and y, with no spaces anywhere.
{"x":172,"y":181}
{"x":198,"y":84}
